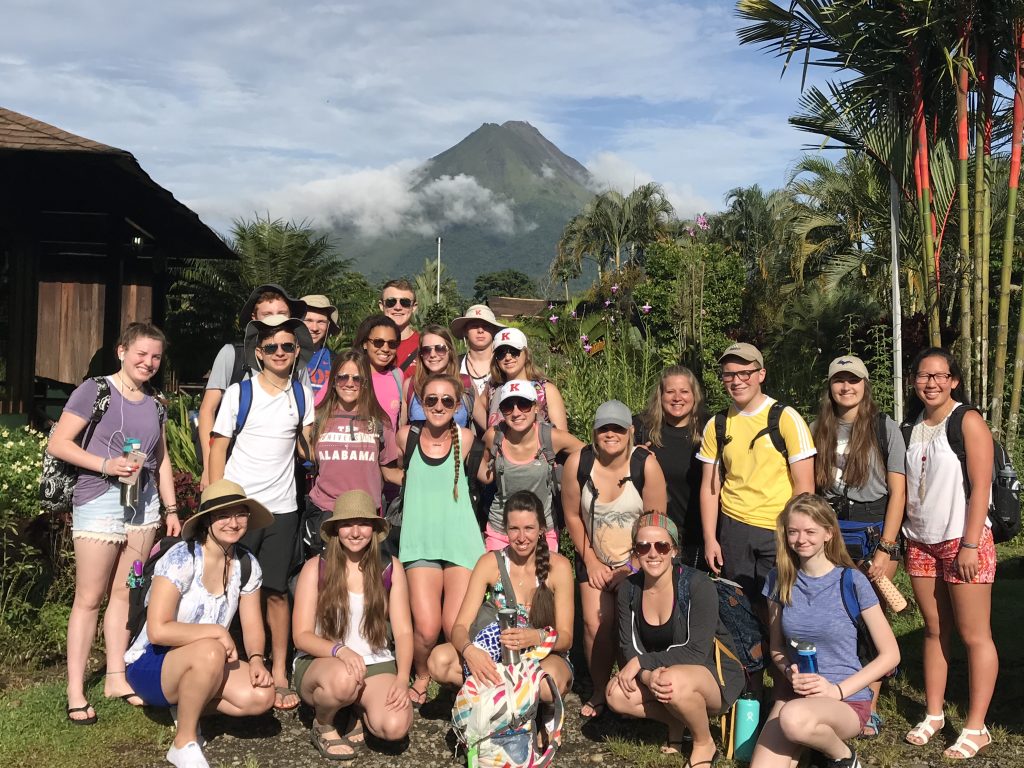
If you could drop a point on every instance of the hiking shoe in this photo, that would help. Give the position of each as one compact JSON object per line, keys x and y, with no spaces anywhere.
{"x":846,"y":762}
{"x":189,"y":756}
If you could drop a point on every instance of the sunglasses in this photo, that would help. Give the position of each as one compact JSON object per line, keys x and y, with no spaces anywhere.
{"x":612,"y":428}
{"x":446,"y":400}
{"x":501,"y":352}
{"x":507,"y":405}
{"x":287,"y":347}
{"x":378,"y":343}
{"x":661,"y":547}
{"x":219,"y":517}
{"x":343,"y":378}
{"x":391,"y":301}
{"x":437,"y":349}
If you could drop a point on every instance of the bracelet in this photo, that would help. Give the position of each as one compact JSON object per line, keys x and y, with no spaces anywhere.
{"x":838,"y":688}
{"x":255,"y":656}
{"x":631,"y":568}
{"x":462,"y":651}
{"x":965,"y":545}
{"x":337,"y":647}
{"x":103,"y":469}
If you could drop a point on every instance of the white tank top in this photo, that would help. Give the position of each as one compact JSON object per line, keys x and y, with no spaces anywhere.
{"x":353,"y":638}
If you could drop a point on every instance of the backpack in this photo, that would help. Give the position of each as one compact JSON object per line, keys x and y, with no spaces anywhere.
{"x":547,"y":451}
{"x":141,"y":579}
{"x":773,"y":430}
{"x":245,"y":405}
{"x":393,"y":514}
{"x":58,"y":479}
{"x":734,"y":610}
{"x":636,"y":475}
{"x":496,"y":723}
{"x":866,"y":650}
{"x":1004,"y":509}
{"x":240,"y":370}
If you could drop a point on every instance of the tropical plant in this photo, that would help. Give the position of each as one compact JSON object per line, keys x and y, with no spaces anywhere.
{"x":506,"y":282}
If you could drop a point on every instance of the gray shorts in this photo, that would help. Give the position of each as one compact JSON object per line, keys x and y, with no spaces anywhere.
{"x":748,"y":553}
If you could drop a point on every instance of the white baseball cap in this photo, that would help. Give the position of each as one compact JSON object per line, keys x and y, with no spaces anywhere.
{"x":518,"y":388}
{"x":509,"y":337}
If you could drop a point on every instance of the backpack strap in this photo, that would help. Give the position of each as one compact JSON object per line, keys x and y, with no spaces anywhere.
{"x":882,"y":435}
{"x":955,"y":438}
{"x":300,"y":403}
{"x":387,"y":575}
{"x":583,"y":470}
{"x":238,"y":365}
{"x":721,"y":440}
{"x":468,"y":394}
{"x":547,"y":445}
{"x":499,"y":461}
{"x":637,"y":462}
{"x":99,"y":407}
{"x":506,"y":580}
{"x":684,"y":581}
{"x":244,"y":404}
{"x":409,"y":360}
{"x":849,"y":595}
{"x":774,"y":431}
{"x":410,"y":446}
{"x":244,"y":562}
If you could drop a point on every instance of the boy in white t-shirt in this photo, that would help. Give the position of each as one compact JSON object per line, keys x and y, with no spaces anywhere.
{"x":279,"y":414}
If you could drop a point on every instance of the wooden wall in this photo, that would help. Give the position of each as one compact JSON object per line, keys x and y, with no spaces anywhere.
{"x":69,"y":329}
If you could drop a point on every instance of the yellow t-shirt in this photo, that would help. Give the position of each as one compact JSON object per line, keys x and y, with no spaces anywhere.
{"x":757,"y":481}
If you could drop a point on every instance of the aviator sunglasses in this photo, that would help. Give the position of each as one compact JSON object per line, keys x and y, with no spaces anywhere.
{"x":437,"y":349}
{"x":446,"y":400}
{"x":271,"y":349}
{"x":661,"y":547}
{"x":508,"y":404}
{"x":343,"y":378}
{"x":378,"y":343}
{"x":391,"y":301}
{"x":501,"y":352}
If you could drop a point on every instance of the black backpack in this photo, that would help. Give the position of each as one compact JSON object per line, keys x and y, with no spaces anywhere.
{"x":393,"y":514}
{"x":773,"y":430}
{"x":141,"y":579}
{"x":1004,"y":510}
{"x":636,"y":475}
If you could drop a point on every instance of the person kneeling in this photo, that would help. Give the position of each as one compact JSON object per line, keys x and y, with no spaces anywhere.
{"x":807,"y":610}
{"x":184,"y":657}
{"x":345,"y":601}
{"x":680,"y":663}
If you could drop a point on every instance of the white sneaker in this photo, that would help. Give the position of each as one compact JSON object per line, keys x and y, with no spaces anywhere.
{"x":200,"y":739}
{"x":189,"y":756}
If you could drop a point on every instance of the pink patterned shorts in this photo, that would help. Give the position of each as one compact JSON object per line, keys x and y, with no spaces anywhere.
{"x":933,"y":560}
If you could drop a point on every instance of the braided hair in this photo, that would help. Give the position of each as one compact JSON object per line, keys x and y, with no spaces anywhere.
{"x":542,"y":609}
{"x":456,"y":384}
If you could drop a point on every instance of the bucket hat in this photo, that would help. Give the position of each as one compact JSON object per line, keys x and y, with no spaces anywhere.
{"x":281,"y":323}
{"x":296,"y":307}
{"x":478,"y":313}
{"x":355,"y":505}
{"x":225,"y":494}
{"x":320,"y":303}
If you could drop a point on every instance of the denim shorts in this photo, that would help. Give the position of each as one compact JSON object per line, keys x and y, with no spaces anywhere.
{"x":104,"y":519}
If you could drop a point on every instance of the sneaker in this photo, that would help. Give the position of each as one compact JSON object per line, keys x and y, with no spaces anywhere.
{"x":200,"y":739}
{"x":846,"y":762}
{"x":189,"y":756}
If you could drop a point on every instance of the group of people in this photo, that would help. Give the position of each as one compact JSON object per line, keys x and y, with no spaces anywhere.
{"x":435,"y":487}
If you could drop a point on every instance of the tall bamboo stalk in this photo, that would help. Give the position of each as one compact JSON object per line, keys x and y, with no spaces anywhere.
{"x":980,"y":315}
{"x":922,"y":185}
{"x":986,"y":229}
{"x":999,"y":375}
{"x":1018,"y":379}
{"x":963,"y":146}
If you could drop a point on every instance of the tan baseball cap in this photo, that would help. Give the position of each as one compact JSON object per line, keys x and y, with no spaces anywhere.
{"x":743,"y":351}
{"x":849,"y":364}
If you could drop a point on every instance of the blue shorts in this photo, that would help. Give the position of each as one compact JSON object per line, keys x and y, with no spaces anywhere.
{"x":104,"y":519}
{"x":143,"y":675}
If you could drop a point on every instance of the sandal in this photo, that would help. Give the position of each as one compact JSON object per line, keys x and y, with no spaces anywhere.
{"x":88,"y":720}
{"x":324,"y":745}
{"x":282,"y":692}
{"x":417,"y":697}
{"x":596,"y":710}
{"x":922,"y":733}
{"x":710,"y":763}
{"x":965,"y":748}
{"x":357,"y":734}
{"x":872,"y":727}
{"x":671,"y":747}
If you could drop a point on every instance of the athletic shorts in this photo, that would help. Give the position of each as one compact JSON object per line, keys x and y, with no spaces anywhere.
{"x":439,"y":565}
{"x":143,"y":675}
{"x":934,"y":560}
{"x":104,"y":519}
{"x":748,"y":554}
{"x":301,"y":665}
{"x":274,"y":547}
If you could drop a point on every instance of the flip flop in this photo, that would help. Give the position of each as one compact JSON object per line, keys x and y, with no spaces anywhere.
{"x":281,"y":692}
{"x":597,"y":709}
{"x":81,"y":720}
{"x":418,"y":698}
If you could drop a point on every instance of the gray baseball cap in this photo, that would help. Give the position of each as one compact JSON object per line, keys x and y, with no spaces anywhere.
{"x":613,"y":412}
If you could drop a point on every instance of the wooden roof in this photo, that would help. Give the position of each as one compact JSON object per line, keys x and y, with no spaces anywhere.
{"x":19,"y":131}
{"x":509,"y":307}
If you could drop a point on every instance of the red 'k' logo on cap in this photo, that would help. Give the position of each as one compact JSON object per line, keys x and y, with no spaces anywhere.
{"x":477,"y":312}
{"x":504,"y":335}
{"x":513,"y":387}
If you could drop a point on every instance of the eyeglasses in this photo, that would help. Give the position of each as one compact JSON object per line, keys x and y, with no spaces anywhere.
{"x":437,"y":349}
{"x":617,"y":429}
{"x":741,"y":375}
{"x":220,"y":517}
{"x":661,"y":547}
{"x":390,"y":302}
{"x":939,"y":378}
{"x":287,"y":347}
{"x":378,"y":343}
{"x":501,"y":352}
{"x":446,"y":400}
{"x":343,"y":378}
{"x":507,"y":405}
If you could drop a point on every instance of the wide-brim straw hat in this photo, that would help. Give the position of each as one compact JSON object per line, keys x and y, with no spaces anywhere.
{"x":320,"y":303}
{"x":278,"y":323}
{"x":353,"y":506}
{"x":478,"y":313}
{"x":296,"y":307}
{"x":225,"y":494}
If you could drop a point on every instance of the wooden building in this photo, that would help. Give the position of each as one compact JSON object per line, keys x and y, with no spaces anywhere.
{"x":86,"y":238}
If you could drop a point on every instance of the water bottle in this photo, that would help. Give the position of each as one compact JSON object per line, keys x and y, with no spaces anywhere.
{"x":744,"y":731}
{"x":806,"y":657}
{"x":130,"y":484}
{"x":507,"y":620}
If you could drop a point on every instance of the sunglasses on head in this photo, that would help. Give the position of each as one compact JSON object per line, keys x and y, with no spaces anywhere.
{"x":437,"y":349}
{"x":501,"y":352}
{"x":343,"y":378}
{"x":378,"y":343}
{"x":507,"y":405}
{"x":390,"y":301}
{"x":446,"y":400}
{"x":270,"y":349}
{"x":661,"y":547}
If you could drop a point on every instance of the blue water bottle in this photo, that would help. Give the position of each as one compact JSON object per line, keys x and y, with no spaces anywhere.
{"x":744,"y":732}
{"x":806,"y":657}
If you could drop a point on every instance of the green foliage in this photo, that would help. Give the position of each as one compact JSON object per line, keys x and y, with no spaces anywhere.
{"x":178,"y":427}
{"x":430,"y":310}
{"x":507,"y":282}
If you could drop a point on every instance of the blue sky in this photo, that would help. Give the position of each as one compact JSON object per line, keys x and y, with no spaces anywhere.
{"x":323,"y":110}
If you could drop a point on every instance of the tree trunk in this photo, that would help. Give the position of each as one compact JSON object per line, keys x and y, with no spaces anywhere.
{"x":999,"y":375}
{"x":1018,"y":379}
{"x":981,"y":120}
{"x":897,"y":318}
{"x":963,"y":82}
{"x":923,"y":187}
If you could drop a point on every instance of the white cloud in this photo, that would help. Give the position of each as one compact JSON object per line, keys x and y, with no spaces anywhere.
{"x":612,"y":171}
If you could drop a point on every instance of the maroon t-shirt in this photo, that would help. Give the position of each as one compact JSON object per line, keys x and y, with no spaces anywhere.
{"x":349,"y":457}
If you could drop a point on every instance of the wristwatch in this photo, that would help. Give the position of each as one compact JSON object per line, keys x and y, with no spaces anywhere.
{"x":892,"y":549}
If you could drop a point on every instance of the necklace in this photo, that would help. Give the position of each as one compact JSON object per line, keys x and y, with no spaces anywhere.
{"x":929,"y":433}
{"x":472,"y":370}
{"x":125,"y":385}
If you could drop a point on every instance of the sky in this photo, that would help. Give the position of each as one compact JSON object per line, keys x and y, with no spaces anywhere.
{"x":324,"y":110}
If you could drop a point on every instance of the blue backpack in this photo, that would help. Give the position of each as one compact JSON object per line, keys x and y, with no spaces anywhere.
{"x":245,"y":405}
